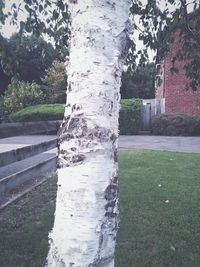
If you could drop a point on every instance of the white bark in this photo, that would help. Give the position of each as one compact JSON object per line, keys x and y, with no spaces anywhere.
{"x":86,"y":215}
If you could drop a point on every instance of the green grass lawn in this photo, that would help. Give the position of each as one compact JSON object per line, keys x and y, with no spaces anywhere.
{"x":159,"y":211}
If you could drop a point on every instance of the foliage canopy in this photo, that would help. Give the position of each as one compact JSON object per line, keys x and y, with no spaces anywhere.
{"x":27,"y":57}
{"x":155,"y":21}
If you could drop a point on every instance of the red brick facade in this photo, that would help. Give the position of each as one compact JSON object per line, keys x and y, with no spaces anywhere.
{"x":177,"y":99}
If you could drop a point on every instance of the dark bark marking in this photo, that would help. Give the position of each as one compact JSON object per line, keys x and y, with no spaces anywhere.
{"x":72,"y":127}
{"x":75,"y":127}
{"x":69,"y":87}
{"x":101,"y":133}
{"x":113,"y":137}
{"x":73,"y":1}
{"x":115,"y":180}
{"x":111,"y":197}
{"x":78,"y":158}
{"x":115,"y":155}
{"x":76,"y":107}
{"x":110,"y":204}
{"x":110,"y":214}
{"x":111,"y":192}
{"x":68,"y":159}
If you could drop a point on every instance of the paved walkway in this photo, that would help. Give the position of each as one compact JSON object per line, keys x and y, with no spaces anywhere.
{"x":162,"y":143}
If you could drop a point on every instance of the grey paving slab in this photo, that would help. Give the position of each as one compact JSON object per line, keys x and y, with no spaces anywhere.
{"x":11,"y":143}
{"x":162,"y":143}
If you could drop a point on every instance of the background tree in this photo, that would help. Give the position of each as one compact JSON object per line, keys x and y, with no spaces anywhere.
{"x":55,"y":83}
{"x":27,"y":57}
{"x":139,"y":83}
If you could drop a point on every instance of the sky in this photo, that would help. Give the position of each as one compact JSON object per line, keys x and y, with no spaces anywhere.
{"x":8,"y":29}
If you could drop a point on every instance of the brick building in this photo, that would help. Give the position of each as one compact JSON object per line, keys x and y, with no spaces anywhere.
{"x":172,"y":88}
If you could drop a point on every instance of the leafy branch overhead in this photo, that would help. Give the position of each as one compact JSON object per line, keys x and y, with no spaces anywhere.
{"x":156,"y":21}
{"x":43,"y":17}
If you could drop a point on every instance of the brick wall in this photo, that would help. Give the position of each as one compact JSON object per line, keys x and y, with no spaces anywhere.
{"x":177,"y":99}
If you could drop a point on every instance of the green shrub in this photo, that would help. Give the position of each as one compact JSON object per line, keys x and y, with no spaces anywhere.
{"x":176,"y":124}
{"x":20,"y":95}
{"x":55,"y":83}
{"x":46,"y":112}
{"x":130,"y":116}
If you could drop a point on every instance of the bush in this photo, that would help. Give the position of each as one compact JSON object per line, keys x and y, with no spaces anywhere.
{"x":20,"y":95}
{"x":176,"y":124}
{"x":55,"y":83}
{"x":47,"y":112}
{"x":130,"y":116}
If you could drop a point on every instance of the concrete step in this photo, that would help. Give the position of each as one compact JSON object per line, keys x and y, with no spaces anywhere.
{"x":15,"y":174}
{"x":17,"y":148}
{"x":28,"y":128}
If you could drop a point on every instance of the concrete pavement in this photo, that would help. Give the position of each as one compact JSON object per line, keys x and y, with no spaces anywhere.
{"x":162,"y":143}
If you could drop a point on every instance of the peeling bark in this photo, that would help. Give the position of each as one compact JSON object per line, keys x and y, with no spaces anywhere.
{"x":86,"y":216}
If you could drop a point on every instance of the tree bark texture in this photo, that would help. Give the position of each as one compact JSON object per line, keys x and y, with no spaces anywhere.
{"x":86,"y":216}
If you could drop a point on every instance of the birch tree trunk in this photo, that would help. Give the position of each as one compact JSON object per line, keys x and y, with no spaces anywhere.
{"x":86,"y":216}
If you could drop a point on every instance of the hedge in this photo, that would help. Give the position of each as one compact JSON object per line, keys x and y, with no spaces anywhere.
{"x":176,"y":125}
{"x":129,"y":122}
{"x":130,"y":116}
{"x":43,"y":112}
